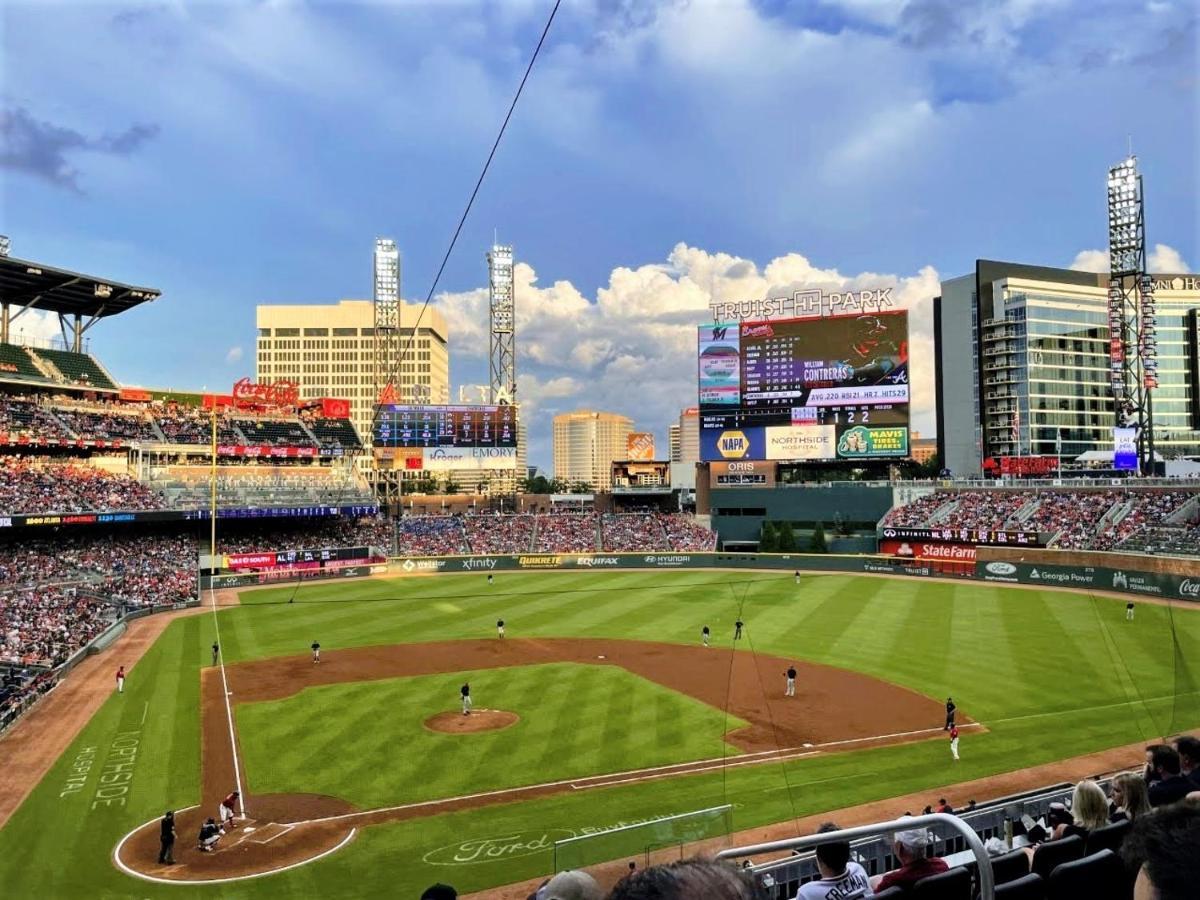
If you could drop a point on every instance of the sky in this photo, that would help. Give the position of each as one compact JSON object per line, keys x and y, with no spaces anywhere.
{"x":663,"y":153}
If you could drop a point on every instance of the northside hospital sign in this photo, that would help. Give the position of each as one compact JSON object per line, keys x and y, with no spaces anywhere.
{"x":806,"y":303}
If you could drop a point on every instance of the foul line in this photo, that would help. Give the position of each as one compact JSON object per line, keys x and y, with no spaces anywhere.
{"x":175,"y":881}
{"x":145,"y":710}
{"x":237,"y":771}
{"x":594,"y":781}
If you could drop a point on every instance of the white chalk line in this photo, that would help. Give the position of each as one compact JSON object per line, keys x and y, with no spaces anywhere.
{"x":145,"y":710}
{"x":634,"y":775}
{"x":283,"y":829}
{"x":120,"y":864}
{"x":237,"y":770}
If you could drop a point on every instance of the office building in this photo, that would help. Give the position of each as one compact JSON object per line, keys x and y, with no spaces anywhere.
{"x":1023,"y":365}
{"x":329,"y":349}
{"x":585,"y":445}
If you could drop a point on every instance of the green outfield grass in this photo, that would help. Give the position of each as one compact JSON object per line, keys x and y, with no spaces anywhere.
{"x":1051,"y":674}
{"x":576,"y":720}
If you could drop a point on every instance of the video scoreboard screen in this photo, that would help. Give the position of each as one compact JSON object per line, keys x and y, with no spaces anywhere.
{"x":805,"y":389}
{"x":445,"y":426}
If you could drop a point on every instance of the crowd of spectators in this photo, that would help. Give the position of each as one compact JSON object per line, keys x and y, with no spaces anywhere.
{"x":1075,"y":519}
{"x":307,"y":534}
{"x":20,"y":687}
{"x":633,"y":532}
{"x":189,"y":425}
{"x":35,"y":484}
{"x":566,"y":533}
{"x":107,"y":422}
{"x":499,"y":533}
{"x":22,"y":417}
{"x":43,"y":626}
{"x":430,"y":535}
{"x":685,"y":533}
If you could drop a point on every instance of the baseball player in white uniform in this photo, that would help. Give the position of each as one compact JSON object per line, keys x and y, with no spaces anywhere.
{"x":465,"y":690}
{"x":790,"y":690}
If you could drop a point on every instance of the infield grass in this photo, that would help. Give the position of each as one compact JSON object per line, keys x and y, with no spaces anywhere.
{"x":1051,"y":674}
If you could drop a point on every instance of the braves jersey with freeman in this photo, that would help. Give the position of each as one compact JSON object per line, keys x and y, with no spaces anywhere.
{"x":850,"y":885}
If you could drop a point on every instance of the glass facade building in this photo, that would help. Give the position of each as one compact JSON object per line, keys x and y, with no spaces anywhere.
{"x":1036,"y":344}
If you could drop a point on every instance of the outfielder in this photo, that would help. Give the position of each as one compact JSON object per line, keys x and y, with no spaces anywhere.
{"x":499,"y":628}
{"x":121,"y":680}
{"x":316,"y":651}
{"x":489,"y":577}
{"x":797,"y":576}
{"x":465,"y":690}
{"x":704,"y":635}
{"x":216,"y":652}
{"x":954,"y":741}
{"x":790,"y":691}
{"x":737,"y":630}
{"x":225,"y":811}
{"x":1129,"y":611}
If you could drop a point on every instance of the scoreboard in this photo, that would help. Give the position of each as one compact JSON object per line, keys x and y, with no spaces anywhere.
{"x":805,"y":389}
{"x":398,"y":425}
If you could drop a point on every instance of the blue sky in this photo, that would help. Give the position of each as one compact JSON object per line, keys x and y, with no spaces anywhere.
{"x":237,"y":153}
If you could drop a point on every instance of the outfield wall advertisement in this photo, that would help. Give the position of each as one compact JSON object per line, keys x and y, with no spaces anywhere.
{"x":1173,"y":587}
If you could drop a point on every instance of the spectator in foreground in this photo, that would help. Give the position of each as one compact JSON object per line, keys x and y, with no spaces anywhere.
{"x":1162,"y":849}
{"x":1165,"y":785}
{"x":840,"y":876}
{"x":439,"y":891}
{"x":570,"y":885}
{"x":909,"y":847}
{"x":689,"y":879}
{"x":1188,"y":748}
{"x":1089,"y":811}
{"x":1129,"y":800}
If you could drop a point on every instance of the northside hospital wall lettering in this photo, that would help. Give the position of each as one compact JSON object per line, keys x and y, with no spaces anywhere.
{"x":806,"y":303}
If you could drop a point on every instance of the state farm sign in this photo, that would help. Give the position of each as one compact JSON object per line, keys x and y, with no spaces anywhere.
{"x":925,"y":550}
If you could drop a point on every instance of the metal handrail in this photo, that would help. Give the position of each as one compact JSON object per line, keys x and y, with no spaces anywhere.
{"x":987,"y":888}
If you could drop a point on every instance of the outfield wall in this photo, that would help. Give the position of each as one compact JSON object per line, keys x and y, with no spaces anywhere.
{"x":1184,"y":585}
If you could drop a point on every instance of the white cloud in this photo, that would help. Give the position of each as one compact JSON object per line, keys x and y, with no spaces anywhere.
{"x":33,"y":326}
{"x":233,"y":355}
{"x":1166,"y":260}
{"x":1090,"y":261}
{"x":1162,"y":259}
{"x":633,"y":348}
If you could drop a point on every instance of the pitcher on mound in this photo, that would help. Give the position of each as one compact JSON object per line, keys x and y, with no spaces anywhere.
{"x":465,"y":690}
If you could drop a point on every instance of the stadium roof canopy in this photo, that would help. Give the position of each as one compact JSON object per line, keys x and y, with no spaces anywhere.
{"x":31,"y":285}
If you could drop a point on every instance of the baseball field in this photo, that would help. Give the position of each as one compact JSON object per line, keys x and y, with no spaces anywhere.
{"x":599,"y":707}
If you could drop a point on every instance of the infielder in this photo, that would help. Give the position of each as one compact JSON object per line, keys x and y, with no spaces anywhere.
{"x":465,"y":690}
{"x":121,"y":680}
{"x":216,"y":652}
{"x":1129,"y":611}
{"x":225,"y":811}
{"x":704,"y":635}
{"x":950,"y":708}
{"x":737,"y":630}
{"x":790,"y":690}
{"x":489,"y":577}
{"x":954,"y":741}
{"x":499,"y":628}
{"x":316,"y":651}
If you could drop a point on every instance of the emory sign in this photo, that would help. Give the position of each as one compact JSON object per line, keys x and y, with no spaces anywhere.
{"x":806,"y":303}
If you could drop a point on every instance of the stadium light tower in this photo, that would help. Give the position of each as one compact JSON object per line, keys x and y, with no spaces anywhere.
{"x":502,"y":346}
{"x":387,"y":313}
{"x":1133,"y":345}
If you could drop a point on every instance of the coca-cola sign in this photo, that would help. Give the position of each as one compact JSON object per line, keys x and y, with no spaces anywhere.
{"x":279,"y":393}
{"x":1189,"y":588}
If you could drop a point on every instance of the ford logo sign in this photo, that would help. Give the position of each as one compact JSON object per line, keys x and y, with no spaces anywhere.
{"x":1001,"y":568}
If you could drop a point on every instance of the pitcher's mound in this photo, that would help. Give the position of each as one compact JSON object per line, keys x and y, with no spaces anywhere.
{"x":478,"y":720}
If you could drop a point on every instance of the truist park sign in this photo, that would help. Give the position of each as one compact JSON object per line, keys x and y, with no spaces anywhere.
{"x":806,"y":303}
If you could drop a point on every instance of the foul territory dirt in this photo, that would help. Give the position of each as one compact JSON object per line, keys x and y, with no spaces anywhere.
{"x":833,"y":708}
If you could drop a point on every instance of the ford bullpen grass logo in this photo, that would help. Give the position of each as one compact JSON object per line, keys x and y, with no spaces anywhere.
{"x":496,"y":849}
{"x":1001,"y":568}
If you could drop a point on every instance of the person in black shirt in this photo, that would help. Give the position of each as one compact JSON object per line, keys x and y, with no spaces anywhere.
{"x":500,"y":628}
{"x":790,"y":689}
{"x":216,"y":652}
{"x":167,"y":839}
{"x":704,"y":635}
{"x":1189,"y":759}
{"x":489,"y":577}
{"x":316,"y":652}
{"x":950,"y":708}
{"x":210,"y":833}
{"x":465,"y":690}
{"x":1165,"y":784}
{"x":1129,"y":611}
{"x":737,"y":630}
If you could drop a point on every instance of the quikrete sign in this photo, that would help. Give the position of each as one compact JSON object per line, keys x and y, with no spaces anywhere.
{"x":806,"y":303}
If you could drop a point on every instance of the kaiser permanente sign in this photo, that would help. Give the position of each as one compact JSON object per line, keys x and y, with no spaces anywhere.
{"x":806,"y":303}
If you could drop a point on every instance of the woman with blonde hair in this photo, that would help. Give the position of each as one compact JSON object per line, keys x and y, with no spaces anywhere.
{"x":1089,"y":810}
{"x":1129,"y":797}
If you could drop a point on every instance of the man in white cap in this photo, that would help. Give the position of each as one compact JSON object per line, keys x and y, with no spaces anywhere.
{"x":570,"y":885}
{"x":909,"y":847}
